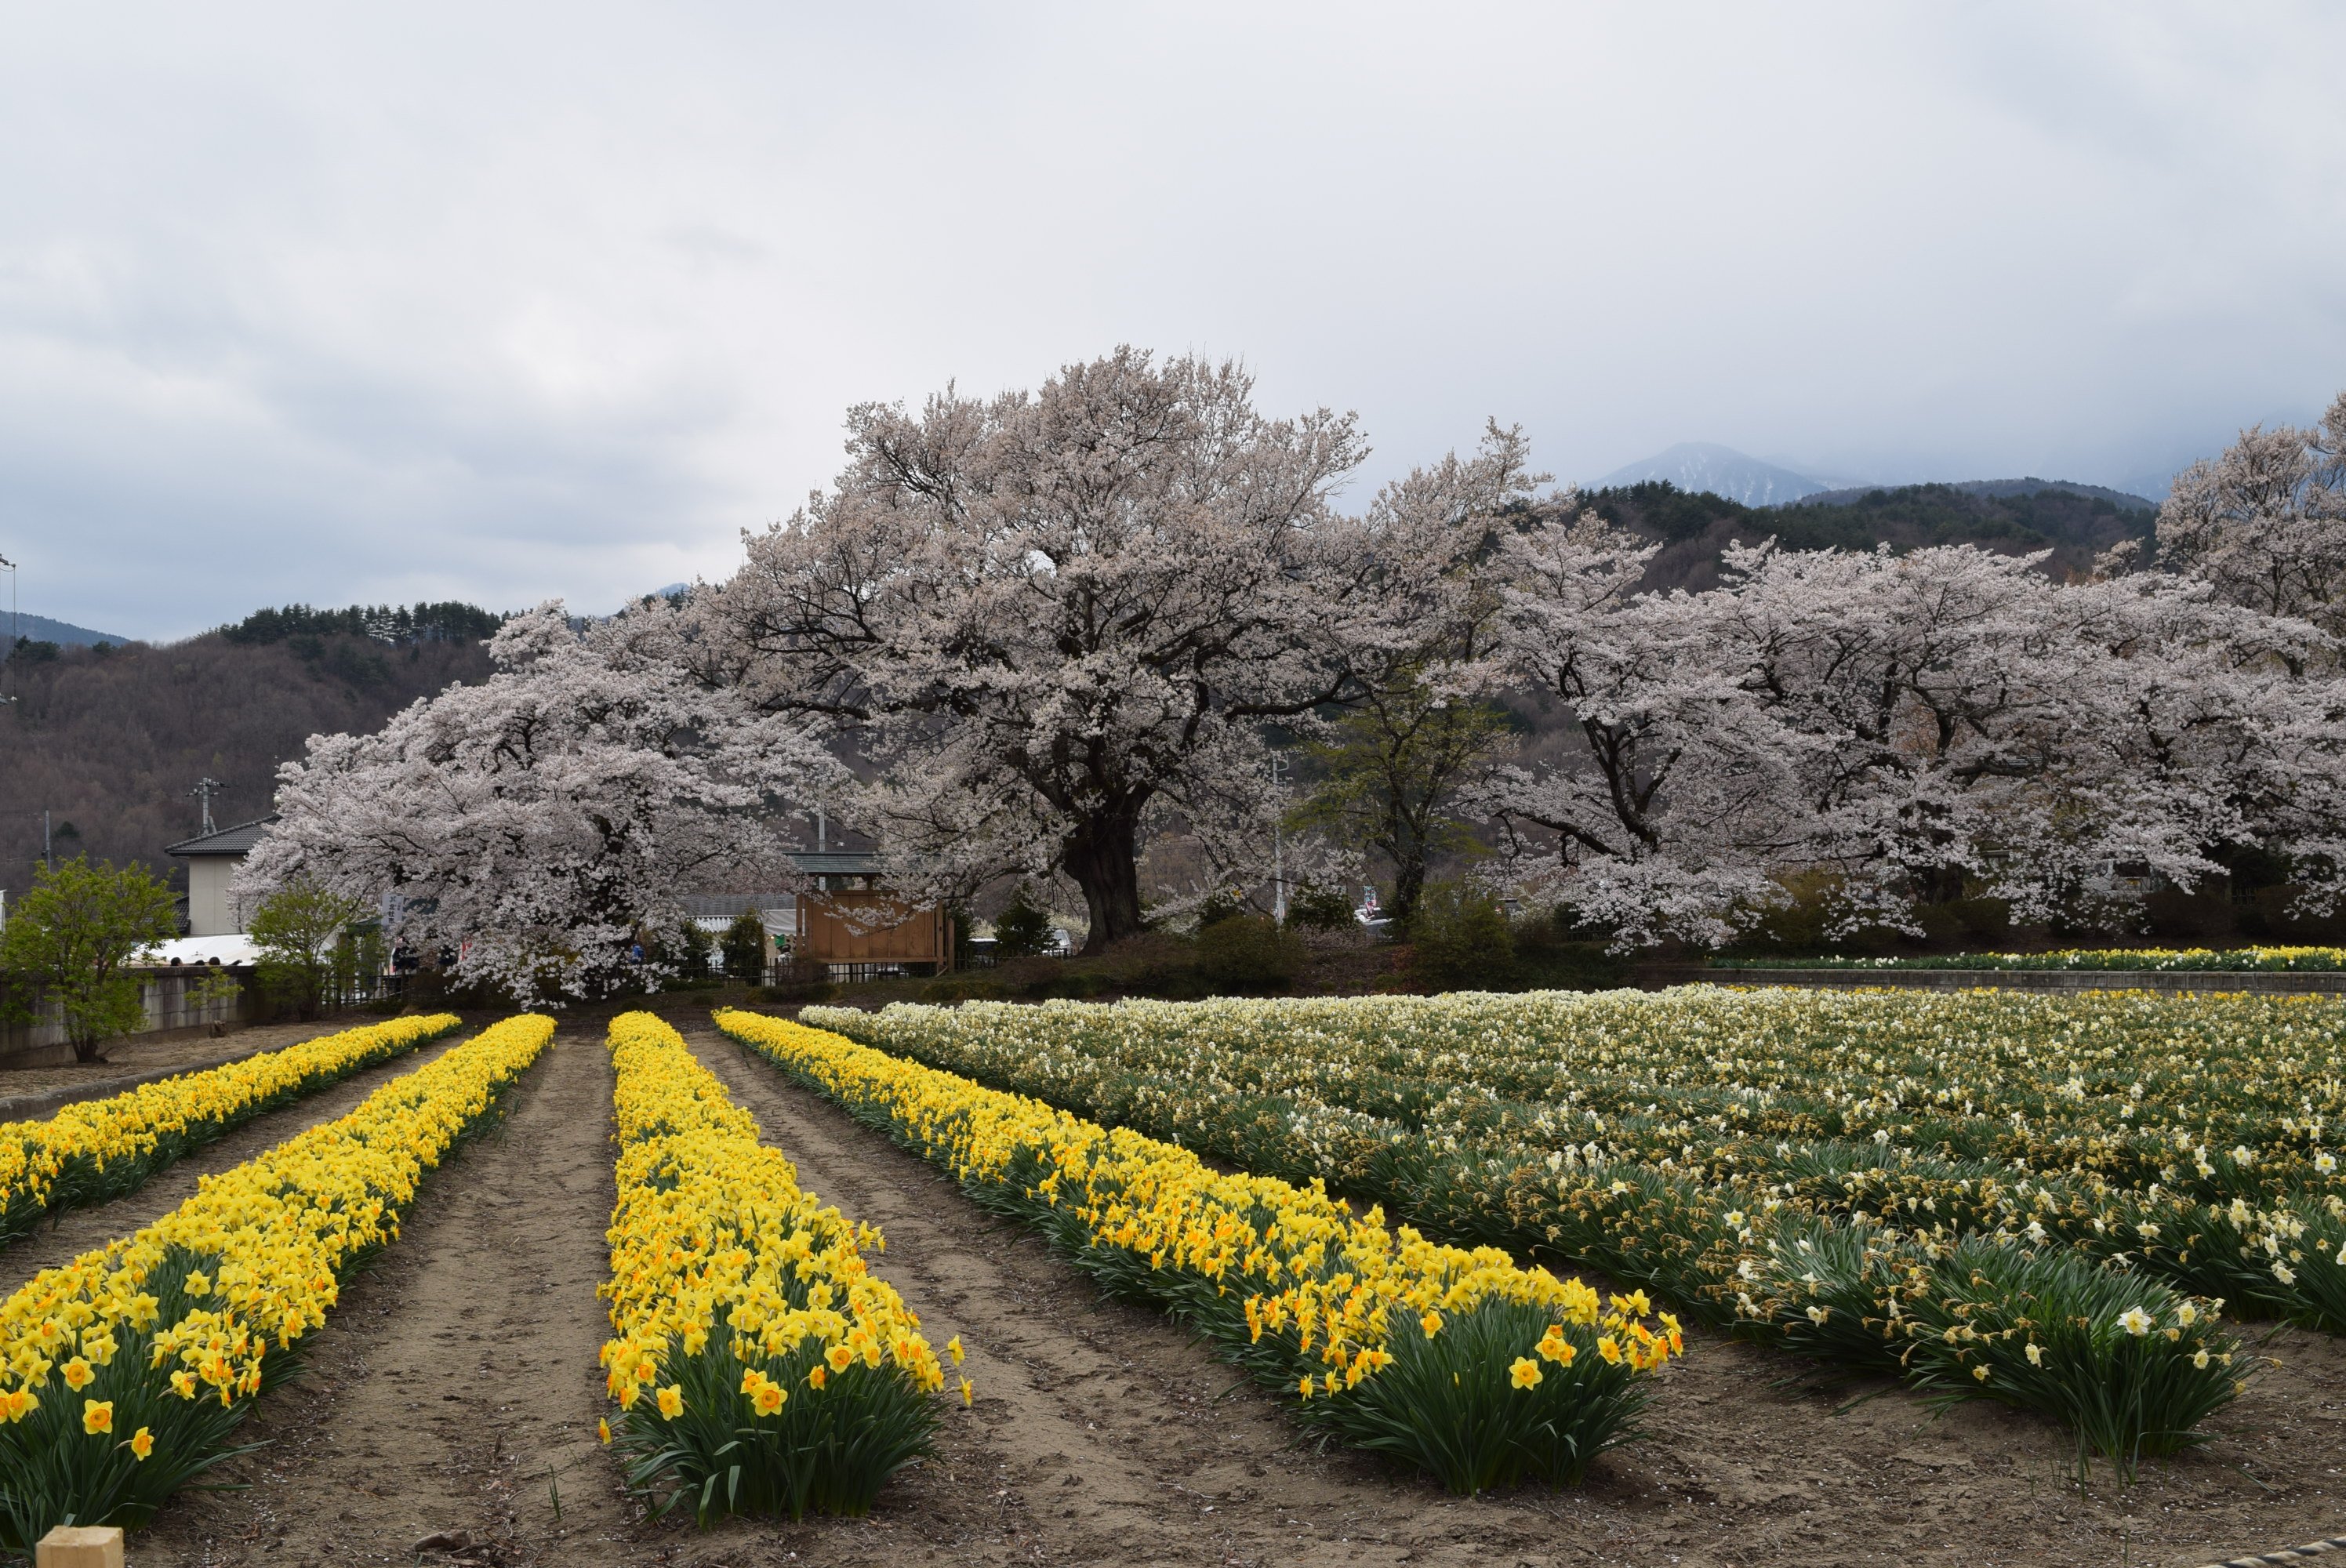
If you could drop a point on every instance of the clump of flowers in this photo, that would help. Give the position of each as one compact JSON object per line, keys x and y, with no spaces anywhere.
{"x":98,"y":1150}
{"x":759,"y":1364}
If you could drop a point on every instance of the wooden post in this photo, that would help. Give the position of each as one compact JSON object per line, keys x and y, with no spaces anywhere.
{"x":80,"y":1546}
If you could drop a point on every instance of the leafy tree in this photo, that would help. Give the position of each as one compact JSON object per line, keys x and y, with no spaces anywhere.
{"x":72,"y":933}
{"x":743,"y":947}
{"x":300,"y":930}
{"x":695,"y":949}
{"x":1391,"y":772}
{"x":1023,"y":929}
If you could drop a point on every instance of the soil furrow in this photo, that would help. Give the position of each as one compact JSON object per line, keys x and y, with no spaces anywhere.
{"x":455,"y":1388}
{"x":74,"y":1231}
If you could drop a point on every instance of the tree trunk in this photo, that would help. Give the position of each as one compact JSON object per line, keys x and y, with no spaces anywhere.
{"x":1409,"y":887}
{"x":1101,"y":855}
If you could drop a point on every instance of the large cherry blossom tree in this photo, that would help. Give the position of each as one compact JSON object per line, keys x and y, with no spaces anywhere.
{"x":1052,"y":620}
{"x":536,"y":824}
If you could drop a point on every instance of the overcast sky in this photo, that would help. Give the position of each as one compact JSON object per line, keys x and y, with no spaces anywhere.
{"x":500,"y":302}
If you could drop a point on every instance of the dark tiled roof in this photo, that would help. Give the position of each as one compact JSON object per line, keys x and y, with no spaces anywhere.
{"x":725,"y":906}
{"x":236,"y":841}
{"x":837,"y":862}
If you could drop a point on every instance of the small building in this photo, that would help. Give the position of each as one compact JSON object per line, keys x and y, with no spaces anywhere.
{"x":849,"y":926}
{"x":213,"y":860}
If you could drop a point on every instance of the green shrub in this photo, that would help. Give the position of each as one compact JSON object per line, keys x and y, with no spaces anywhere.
{"x":1023,"y":929}
{"x":1462,"y":941}
{"x":1320,"y":909}
{"x":1249,"y":952}
{"x":1218,"y":907}
{"x":743,"y":948}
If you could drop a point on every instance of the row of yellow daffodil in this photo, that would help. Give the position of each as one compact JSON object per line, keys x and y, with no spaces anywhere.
{"x":1728,"y":1177}
{"x":1455,"y":1360}
{"x":97,"y":1150}
{"x":760,"y":1366}
{"x":124,"y":1373}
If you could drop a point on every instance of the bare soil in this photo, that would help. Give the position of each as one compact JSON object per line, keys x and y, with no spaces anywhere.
{"x":456,"y":1388}
{"x":127,"y":1058}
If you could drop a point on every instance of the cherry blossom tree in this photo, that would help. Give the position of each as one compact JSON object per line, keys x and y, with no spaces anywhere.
{"x":1914,"y":724}
{"x":1056,"y":620}
{"x":2265,"y":523}
{"x":537,"y":823}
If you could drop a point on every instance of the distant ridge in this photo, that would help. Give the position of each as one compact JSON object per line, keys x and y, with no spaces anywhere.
{"x":1995,"y":488}
{"x":1697,"y":466}
{"x":42,"y":629}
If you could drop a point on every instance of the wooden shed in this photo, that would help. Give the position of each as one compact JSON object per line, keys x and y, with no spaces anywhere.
{"x":849,"y":926}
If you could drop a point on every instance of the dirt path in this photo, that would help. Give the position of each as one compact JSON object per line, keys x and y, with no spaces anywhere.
{"x":455,"y":1388}
{"x":79,"y":1230}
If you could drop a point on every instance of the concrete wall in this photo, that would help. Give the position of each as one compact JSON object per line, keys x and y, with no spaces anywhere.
{"x":165,"y":992}
{"x":211,"y":912}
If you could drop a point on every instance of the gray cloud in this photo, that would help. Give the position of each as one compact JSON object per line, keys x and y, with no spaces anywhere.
{"x":501,"y":302}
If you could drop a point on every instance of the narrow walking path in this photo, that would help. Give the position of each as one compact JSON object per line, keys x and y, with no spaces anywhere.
{"x":456,"y":1386}
{"x":65,"y":1235}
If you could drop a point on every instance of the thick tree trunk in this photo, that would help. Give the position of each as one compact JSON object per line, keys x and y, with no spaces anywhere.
{"x":1102,"y":857}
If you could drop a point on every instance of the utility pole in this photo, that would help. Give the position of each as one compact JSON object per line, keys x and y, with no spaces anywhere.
{"x":206,"y":788}
{"x":16,"y":631}
{"x":48,"y":864}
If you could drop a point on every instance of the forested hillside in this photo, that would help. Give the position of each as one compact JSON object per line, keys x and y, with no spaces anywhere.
{"x":110,"y":741}
{"x":1693,"y":527}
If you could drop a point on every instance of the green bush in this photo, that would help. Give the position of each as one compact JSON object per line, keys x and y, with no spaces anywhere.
{"x":1218,"y":907}
{"x":1461,"y":940}
{"x":1249,"y":952}
{"x":1320,"y":909}
{"x":1023,"y":929}
{"x":742,"y":948}
{"x":1547,"y":958}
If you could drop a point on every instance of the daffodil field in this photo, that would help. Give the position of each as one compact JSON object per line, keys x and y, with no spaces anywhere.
{"x":2044,"y":1200}
{"x":100,"y":1149}
{"x":1453,"y":1360}
{"x":126,"y":1372}
{"x":759,"y":1366}
{"x":2139,"y":960}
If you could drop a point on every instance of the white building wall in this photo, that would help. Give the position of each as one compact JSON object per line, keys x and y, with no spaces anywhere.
{"x":211,"y":912}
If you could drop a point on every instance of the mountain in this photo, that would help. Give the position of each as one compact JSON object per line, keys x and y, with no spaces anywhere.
{"x":1701,"y":466}
{"x":1998,"y":489}
{"x":2075,"y":522}
{"x":109,"y":740}
{"x":42,"y":629}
